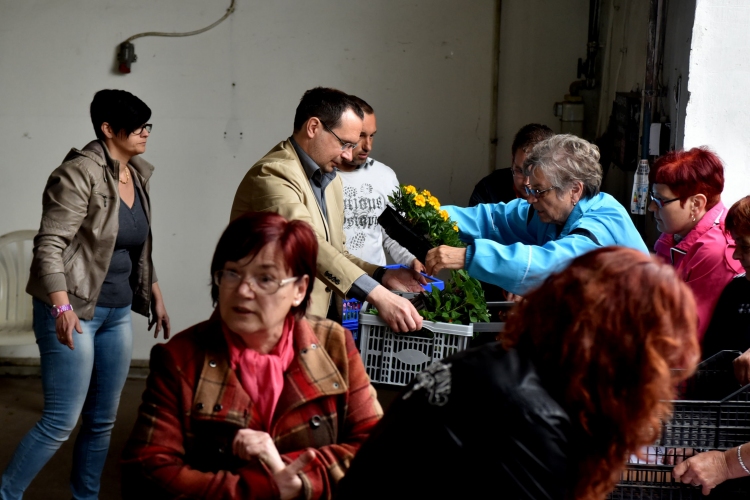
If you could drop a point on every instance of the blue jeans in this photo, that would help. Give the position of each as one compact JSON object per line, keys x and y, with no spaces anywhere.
{"x":87,"y":382}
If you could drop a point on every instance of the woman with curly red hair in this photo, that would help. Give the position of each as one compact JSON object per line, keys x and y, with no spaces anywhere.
{"x":686,"y":203}
{"x":580,"y":381}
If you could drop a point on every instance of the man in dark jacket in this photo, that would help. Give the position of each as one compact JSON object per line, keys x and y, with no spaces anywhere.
{"x":497,"y":187}
{"x":477,"y":425}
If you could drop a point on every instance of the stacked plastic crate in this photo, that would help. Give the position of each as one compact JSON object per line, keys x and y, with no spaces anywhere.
{"x":712,"y":414}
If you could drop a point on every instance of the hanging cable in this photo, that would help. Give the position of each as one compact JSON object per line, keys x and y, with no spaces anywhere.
{"x":126,"y":55}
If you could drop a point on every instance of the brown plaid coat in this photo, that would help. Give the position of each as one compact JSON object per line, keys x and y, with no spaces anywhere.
{"x":181,"y":446}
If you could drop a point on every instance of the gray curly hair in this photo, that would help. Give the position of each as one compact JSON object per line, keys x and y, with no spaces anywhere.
{"x":565,"y":159}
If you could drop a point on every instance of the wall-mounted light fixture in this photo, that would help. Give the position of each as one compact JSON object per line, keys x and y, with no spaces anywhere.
{"x":125,"y":57}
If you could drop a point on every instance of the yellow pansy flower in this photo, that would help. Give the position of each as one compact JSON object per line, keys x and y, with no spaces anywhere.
{"x":455,"y":227}
{"x":434,"y":202}
{"x":426,"y":193}
{"x":444,"y":215}
{"x":419,"y":200}
{"x":411,"y":190}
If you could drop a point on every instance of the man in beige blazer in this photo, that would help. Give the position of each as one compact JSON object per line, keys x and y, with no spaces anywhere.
{"x":298,"y":180}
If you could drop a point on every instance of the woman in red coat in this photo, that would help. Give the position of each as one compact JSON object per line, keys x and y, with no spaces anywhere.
{"x":686,"y":202}
{"x":258,"y":401}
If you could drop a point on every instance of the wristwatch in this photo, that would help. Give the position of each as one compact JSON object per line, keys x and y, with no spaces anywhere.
{"x":56,"y":311}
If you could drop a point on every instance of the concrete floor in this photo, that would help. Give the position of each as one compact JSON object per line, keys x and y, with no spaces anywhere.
{"x":20,"y":408}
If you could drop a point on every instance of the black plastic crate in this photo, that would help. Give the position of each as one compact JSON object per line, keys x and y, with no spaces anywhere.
{"x":655,"y":482}
{"x":713,"y":379}
{"x":714,"y":412}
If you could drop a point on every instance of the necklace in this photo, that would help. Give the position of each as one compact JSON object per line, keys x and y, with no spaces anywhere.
{"x":127,"y":175}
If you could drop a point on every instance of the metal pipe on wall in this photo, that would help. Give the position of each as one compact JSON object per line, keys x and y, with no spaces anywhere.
{"x":651,"y":67}
{"x":495,"y":86}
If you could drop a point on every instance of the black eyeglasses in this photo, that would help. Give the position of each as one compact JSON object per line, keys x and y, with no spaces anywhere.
{"x":530,"y":191}
{"x":517,"y":172}
{"x":659,"y":202}
{"x":147,"y":127}
{"x":344,"y":145}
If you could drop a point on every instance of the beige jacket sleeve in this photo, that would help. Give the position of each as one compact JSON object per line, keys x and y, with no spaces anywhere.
{"x":278,"y":183}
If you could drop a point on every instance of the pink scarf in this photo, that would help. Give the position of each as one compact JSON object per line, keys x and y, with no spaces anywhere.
{"x":262,"y":375}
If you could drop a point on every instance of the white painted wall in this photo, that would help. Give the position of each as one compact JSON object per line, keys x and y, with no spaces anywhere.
{"x":717,"y":111}
{"x":540,"y":43}
{"x":424,"y":66}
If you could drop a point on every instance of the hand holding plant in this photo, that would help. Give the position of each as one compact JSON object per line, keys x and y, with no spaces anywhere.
{"x":462,"y":300}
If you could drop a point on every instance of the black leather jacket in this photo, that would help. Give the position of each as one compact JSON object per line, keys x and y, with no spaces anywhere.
{"x":476,"y":425}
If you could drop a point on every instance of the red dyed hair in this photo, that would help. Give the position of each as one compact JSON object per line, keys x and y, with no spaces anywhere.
{"x":249,"y":233}
{"x":605,"y":335}
{"x":687,"y":173}
{"x":738,"y":218}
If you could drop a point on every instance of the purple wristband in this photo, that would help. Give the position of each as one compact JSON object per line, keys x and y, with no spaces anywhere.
{"x":56,"y":311}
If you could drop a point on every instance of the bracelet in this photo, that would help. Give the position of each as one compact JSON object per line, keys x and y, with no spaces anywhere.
{"x":742,"y":464}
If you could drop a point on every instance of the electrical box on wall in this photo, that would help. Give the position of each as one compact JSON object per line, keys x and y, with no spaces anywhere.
{"x":571,"y":113}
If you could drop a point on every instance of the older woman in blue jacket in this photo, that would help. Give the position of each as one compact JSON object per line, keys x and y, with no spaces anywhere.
{"x":516,"y":245}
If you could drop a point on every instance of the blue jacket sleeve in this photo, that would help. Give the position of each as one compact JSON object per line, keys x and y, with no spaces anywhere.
{"x":513,"y":249}
{"x":519,"y":267}
{"x":503,"y":245}
{"x":501,"y":222}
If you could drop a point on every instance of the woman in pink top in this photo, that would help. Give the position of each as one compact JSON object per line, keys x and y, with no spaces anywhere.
{"x":686,"y":202}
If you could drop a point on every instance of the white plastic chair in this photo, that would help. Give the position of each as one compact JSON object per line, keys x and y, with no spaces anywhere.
{"x":15,"y":304}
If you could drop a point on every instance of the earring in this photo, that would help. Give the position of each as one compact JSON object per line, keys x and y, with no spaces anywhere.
{"x":296,"y":303}
{"x":693,"y":217}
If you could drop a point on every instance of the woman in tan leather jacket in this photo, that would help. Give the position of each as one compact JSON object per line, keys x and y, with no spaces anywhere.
{"x":92,"y":266}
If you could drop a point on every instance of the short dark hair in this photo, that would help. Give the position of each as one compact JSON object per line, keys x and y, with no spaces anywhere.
{"x":252,"y":231}
{"x":529,"y":135}
{"x":122,"y":110}
{"x":363,"y":105}
{"x":325,"y":104}
{"x":738,"y":218}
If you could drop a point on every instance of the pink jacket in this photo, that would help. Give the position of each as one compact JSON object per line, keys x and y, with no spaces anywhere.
{"x":704,"y":261}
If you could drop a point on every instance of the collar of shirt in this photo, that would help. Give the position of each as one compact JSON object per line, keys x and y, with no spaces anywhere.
{"x":312,"y":169}
{"x":367,"y":164}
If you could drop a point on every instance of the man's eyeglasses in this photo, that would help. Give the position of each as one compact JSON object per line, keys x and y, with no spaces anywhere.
{"x":344,"y":145}
{"x":659,"y":202}
{"x":262,"y":284}
{"x":147,"y":127}
{"x":517,"y":172}
{"x":536,"y":193}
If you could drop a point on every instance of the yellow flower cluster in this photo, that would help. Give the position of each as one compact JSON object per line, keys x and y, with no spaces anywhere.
{"x":455,"y":227}
{"x":419,"y":200}
{"x":426,"y":193}
{"x":434,"y":202}
{"x":444,"y":215}
{"x":411,"y":190}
